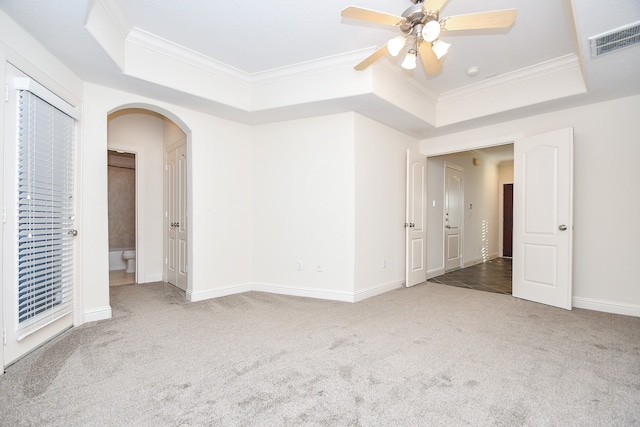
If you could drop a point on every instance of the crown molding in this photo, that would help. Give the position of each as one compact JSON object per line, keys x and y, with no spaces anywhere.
{"x":302,"y":69}
{"x":412,"y":83}
{"x":178,"y":52}
{"x":521,"y":75}
{"x":115,"y":13}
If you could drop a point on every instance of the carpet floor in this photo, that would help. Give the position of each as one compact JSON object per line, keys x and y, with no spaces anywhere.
{"x":428,"y":355}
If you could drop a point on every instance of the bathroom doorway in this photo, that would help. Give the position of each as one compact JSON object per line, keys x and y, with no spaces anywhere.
{"x":121,"y":170}
{"x":148,"y":135}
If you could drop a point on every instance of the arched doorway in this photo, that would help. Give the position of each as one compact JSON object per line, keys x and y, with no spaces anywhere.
{"x":154,"y":137}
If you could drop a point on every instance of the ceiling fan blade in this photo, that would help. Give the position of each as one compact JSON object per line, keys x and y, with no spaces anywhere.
{"x":434,"y":4}
{"x":429,"y":59}
{"x":356,"y":12}
{"x":482,"y":20}
{"x":378,"y":54}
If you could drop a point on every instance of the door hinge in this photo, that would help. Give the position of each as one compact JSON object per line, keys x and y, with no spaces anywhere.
{"x":4,"y":215}
{"x":6,"y":93}
{"x":166,"y":261}
{"x":4,"y":336}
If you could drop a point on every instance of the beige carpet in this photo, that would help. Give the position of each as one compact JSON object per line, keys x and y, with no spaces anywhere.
{"x":429,"y":355}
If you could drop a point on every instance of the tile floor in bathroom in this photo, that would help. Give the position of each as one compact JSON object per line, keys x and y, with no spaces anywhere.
{"x":121,"y":277}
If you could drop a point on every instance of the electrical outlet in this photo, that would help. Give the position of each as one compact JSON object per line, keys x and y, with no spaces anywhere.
{"x":319,"y":269}
{"x":299,"y":266}
{"x":384,"y":263}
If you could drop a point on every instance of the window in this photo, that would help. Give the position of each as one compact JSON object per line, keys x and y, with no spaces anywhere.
{"x":44,"y":212}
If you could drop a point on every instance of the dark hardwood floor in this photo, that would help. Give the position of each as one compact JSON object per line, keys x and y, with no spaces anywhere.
{"x":490,"y":276}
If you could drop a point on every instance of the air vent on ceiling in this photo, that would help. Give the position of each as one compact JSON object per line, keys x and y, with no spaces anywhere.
{"x":613,"y":40}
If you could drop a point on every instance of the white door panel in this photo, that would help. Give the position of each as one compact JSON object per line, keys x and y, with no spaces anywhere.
{"x":37,"y":237}
{"x":181,"y":228}
{"x":453,"y":217}
{"x":542,"y":223}
{"x":171,"y":248}
{"x":176,"y":249}
{"x":415,"y":225}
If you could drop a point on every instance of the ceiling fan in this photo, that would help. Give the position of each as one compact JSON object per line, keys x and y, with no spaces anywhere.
{"x":421,"y":26}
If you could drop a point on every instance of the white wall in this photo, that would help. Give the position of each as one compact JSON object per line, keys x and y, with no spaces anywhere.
{"x":142,"y":133}
{"x":329,"y":192}
{"x":303,"y":206}
{"x":172,"y":134}
{"x":606,"y":152}
{"x":219,"y":161}
{"x":380,"y":204}
{"x":505,"y":171}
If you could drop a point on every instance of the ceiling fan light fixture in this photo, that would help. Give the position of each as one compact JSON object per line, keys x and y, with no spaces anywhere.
{"x":421,"y":24}
{"x":431,"y":31}
{"x":410,"y":60}
{"x":440,"y":48}
{"x":396,"y":44}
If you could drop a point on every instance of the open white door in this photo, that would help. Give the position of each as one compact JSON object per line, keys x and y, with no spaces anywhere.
{"x":176,"y":245}
{"x":415,"y":225}
{"x":543,"y":218}
{"x":181,"y":227}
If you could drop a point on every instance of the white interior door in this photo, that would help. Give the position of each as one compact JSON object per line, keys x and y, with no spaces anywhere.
{"x":181,"y":215}
{"x":176,"y":248}
{"x":543,"y":218}
{"x":453,"y":216}
{"x":172,"y":243}
{"x":415,"y":224}
{"x":38,"y":193}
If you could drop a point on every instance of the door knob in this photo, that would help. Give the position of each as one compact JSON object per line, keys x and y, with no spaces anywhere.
{"x":562,"y":227}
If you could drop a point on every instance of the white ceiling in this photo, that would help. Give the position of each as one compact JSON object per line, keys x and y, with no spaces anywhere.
{"x":256,"y":36}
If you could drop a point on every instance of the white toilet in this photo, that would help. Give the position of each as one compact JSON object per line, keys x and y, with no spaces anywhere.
{"x":130,"y":258}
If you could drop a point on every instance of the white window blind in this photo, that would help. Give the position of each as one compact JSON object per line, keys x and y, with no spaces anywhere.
{"x":44,"y":213}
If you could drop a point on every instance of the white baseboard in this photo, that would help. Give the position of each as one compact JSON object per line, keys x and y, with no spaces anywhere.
{"x":607,"y":306}
{"x":303,"y":292}
{"x":153,"y":278}
{"x":376,"y":290}
{"x":472,"y":262}
{"x":274,"y":288}
{"x":480,"y":260}
{"x":216,"y":293}
{"x":435,"y":272}
{"x":96,"y":314}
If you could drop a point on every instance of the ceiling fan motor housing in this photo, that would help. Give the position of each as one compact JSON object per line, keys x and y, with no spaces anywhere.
{"x":416,"y":15}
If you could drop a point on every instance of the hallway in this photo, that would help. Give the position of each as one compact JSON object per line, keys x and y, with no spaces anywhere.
{"x":491,"y":276}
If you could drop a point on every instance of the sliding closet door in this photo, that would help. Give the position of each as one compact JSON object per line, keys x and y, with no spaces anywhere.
{"x":39,"y":199}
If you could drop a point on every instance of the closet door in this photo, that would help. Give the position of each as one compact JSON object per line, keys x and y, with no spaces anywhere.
{"x":176,"y":256}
